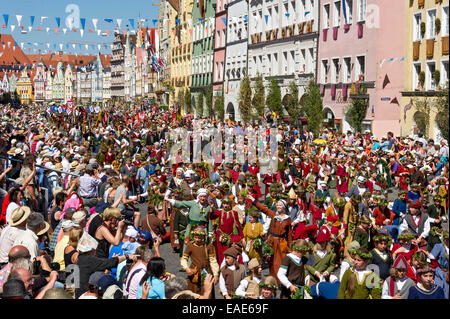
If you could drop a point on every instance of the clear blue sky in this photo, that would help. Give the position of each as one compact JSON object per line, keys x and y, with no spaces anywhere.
{"x":88,"y":9}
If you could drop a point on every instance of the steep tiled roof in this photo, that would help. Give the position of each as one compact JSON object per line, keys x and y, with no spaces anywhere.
{"x":9,"y":55}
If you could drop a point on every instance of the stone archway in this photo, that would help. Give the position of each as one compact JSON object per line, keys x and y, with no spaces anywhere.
{"x":329,"y":118}
{"x":231,"y":112}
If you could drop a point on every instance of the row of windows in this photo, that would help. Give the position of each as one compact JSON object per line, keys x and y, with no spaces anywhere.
{"x":272,"y":16}
{"x":340,"y":70}
{"x":430,"y":24}
{"x":430,"y":82}
{"x":342,"y":12}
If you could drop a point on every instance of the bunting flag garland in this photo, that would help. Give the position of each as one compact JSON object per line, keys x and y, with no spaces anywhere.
{"x":246,"y":18}
{"x":119,"y":22}
{"x":224,"y":21}
{"x":154,"y":21}
{"x":83,"y":23}
{"x":58,"y":22}
{"x":267,"y":18}
{"x":131,"y":22}
{"x":94,"y":23}
{"x":6,"y":18}
{"x":32,"y":20}
{"x":19,"y":19}
{"x":12,"y":28}
{"x":386,"y":81}
{"x":43,"y":18}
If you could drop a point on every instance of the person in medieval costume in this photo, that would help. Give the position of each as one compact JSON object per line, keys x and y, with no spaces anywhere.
{"x":322,"y":259}
{"x":203,"y":260}
{"x":249,"y":286}
{"x":381,"y":256}
{"x":350,"y":220}
{"x":417,"y":222}
{"x":439,"y":261}
{"x":354,"y":282}
{"x":292,"y":271}
{"x":426,"y":287}
{"x":228,"y":228}
{"x":397,"y":285}
{"x":253,"y":235}
{"x":231,"y":273}
{"x":280,"y":234}
{"x":199,"y":211}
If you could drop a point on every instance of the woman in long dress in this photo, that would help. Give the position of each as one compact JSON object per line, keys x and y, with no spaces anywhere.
{"x":280,"y":233}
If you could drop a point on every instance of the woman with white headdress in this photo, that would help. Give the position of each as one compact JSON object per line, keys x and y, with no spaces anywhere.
{"x":280,"y":233}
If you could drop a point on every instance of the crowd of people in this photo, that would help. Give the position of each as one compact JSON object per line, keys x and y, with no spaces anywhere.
{"x":87,"y":200}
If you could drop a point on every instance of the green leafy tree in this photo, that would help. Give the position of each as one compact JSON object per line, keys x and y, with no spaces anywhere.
{"x":199,"y":106}
{"x":181,"y":100}
{"x":208,"y":101}
{"x":258,"y":98}
{"x":273,"y":100}
{"x":293,"y":105}
{"x":187,"y":101}
{"x":219,"y":107}
{"x":358,"y":109}
{"x":313,"y":107}
{"x":245,"y":99}
{"x":442,"y":103}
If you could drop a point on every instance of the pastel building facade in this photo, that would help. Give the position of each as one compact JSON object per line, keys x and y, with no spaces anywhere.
{"x":282,"y":44}
{"x":426,"y":66}
{"x":361,"y":46}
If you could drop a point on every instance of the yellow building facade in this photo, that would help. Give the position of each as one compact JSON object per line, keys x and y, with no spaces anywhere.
{"x":25,"y":88}
{"x":181,"y":48}
{"x":426,"y":64}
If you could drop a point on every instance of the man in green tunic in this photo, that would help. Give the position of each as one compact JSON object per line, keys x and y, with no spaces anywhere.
{"x":199,"y":211}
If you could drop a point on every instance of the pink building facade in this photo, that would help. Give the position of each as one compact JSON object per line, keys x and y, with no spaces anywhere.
{"x":219,"y":48}
{"x":361,"y":45}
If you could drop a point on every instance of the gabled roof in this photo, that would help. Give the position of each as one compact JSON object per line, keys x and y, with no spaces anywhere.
{"x":9,"y":55}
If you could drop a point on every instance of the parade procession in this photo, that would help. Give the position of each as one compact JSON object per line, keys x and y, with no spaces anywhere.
{"x":216,"y":149}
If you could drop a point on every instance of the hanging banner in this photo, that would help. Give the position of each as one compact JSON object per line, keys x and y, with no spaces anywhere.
{"x":43,"y":18}
{"x":12,"y":28}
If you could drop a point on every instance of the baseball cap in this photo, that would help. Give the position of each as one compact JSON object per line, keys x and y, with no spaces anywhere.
{"x":105,"y":281}
{"x":113,"y":292}
{"x":145,"y":235}
{"x":68,"y":224}
{"x":131,"y":232}
{"x":95,"y":278}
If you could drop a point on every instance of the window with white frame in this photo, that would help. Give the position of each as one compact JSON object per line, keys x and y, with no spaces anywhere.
{"x":348,"y":11}
{"x":362,"y":9}
{"x":326,"y":16}
{"x":347,"y":72}
{"x":284,"y":63}
{"x":337,"y":13}
{"x":275,"y":64}
{"x":417,"y":68}
{"x":301,"y":11}
{"x":335,"y":71}
{"x":255,"y":66}
{"x":444,"y":73}
{"x":216,"y":75}
{"x":324,"y":72}
{"x":275,"y":17}
{"x":445,"y":21}
{"x":360,"y":67}
{"x":430,"y":82}
{"x":431,"y":20}
{"x":311,"y":61}
{"x":291,"y":62}
{"x":302,"y":61}
{"x":417,"y":20}
{"x":223,"y":38}
{"x":285,"y":19}
{"x":221,"y":72}
{"x":269,"y":65}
